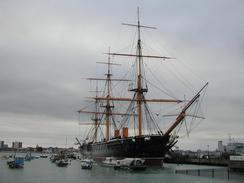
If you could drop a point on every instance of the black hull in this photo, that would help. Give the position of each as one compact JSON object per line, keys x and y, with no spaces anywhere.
{"x":148,"y":147}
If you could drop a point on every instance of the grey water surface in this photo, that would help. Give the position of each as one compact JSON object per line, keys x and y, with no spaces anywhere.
{"x":43,"y":171}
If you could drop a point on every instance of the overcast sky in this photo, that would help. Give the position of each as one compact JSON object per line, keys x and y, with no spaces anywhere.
{"x":47,"y":47}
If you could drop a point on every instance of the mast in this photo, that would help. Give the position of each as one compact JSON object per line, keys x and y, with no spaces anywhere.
{"x":182,"y":115}
{"x":108,"y":106}
{"x":139,"y":77}
{"x":96,"y":119}
{"x":108,"y":103}
{"x":139,"y":90}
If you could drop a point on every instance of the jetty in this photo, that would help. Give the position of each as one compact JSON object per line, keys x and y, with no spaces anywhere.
{"x":207,"y":172}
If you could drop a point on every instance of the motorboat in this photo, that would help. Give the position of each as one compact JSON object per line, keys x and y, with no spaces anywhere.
{"x":17,"y":162}
{"x":86,"y":164}
{"x":109,"y":161}
{"x":43,"y":156}
{"x":131,"y":164}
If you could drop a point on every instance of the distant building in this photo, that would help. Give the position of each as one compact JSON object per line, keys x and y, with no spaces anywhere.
{"x":231,"y":148}
{"x":221,"y":146}
{"x":17,"y":145}
{"x":235,"y":148}
{"x":1,"y":144}
{"x":5,"y":146}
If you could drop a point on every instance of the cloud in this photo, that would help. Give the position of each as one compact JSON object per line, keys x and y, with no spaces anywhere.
{"x":46,"y":48}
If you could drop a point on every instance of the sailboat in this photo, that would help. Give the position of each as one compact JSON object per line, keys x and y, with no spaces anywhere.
{"x":145,"y":139}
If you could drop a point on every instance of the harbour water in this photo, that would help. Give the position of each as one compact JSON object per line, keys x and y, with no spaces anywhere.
{"x":42,"y":170}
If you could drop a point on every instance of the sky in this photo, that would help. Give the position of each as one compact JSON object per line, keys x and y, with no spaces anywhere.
{"x":47,"y":47}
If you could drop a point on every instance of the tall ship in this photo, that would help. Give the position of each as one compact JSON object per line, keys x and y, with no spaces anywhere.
{"x":126,"y":126}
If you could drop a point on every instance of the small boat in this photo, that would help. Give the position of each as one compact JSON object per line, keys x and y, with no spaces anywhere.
{"x":7,"y":157}
{"x":62,"y":162}
{"x":86,"y":164}
{"x":71,"y":156}
{"x":54,"y":158}
{"x":43,"y":156}
{"x":109,"y":161}
{"x":131,"y":164}
{"x":17,"y":162}
{"x":28,"y":156}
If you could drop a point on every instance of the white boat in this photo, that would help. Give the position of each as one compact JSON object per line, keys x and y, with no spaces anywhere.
{"x":86,"y":164}
{"x":131,"y":164}
{"x":109,"y":161}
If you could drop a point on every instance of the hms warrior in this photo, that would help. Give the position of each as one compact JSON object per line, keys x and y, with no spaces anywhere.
{"x":144,"y":139}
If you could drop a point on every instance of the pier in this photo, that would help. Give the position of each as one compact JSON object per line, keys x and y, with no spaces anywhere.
{"x":207,"y":172}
